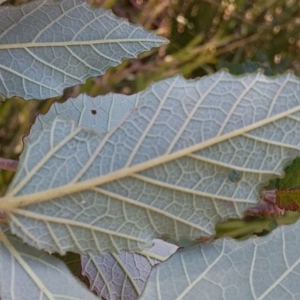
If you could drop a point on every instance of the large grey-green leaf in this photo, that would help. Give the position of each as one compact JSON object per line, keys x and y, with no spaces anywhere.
{"x":123,"y":276}
{"x":191,"y":154}
{"x":259,"y":268}
{"x":27,"y":273}
{"x":48,"y":45}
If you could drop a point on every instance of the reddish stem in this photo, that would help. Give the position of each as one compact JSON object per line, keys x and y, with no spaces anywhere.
{"x":8,"y":164}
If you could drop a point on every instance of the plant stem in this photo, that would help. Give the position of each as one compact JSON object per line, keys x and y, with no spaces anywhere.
{"x":8,"y":164}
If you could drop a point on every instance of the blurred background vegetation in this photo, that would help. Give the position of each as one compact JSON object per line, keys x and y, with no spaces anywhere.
{"x":205,"y":35}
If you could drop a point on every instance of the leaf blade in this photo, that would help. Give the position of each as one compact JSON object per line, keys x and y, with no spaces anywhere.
{"x":43,"y":50}
{"x":123,"y":276}
{"x":27,"y":271}
{"x":261,"y":268}
{"x":143,"y":185}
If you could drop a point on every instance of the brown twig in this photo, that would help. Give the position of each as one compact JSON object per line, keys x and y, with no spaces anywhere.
{"x":8,"y":164}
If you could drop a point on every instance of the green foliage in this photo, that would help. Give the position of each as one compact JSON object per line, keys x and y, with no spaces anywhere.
{"x":246,"y":67}
{"x":291,"y":177}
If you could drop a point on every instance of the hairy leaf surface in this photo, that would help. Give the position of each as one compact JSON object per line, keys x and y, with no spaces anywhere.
{"x":191,"y":154}
{"x":259,"y":268}
{"x":48,"y":45}
{"x":26,"y":273}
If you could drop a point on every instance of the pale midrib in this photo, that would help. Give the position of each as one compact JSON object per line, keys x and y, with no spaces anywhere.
{"x":9,"y":203}
{"x":77,"y":43}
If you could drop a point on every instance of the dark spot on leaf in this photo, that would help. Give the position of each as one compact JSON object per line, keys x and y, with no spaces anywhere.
{"x":235,"y":176}
{"x":94,"y":111}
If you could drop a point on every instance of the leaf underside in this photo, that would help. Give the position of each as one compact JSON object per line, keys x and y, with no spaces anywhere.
{"x":259,"y":268}
{"x":114,"y":276}
{"x":123,"y":276}
{"x":190,"y":154}
{"x":29,"y":273}
{"x":115,"y":172}
{"x":101,"y":114}
{"x":47,"y":46}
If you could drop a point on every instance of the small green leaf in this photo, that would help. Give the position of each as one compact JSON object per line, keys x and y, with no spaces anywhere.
{"x":291,"y":177}
{"x":288,"y":199}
